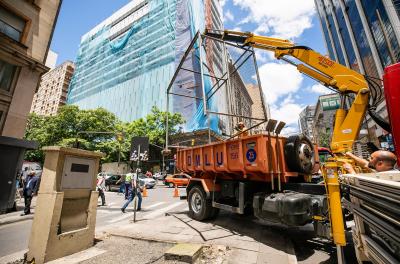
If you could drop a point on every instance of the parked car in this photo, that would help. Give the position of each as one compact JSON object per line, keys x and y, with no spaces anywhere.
{"x":106,"y":174}
{"x":179,"y":179}
{"x":160,"y":176}
{"x":111,"y":182}
{"x":146,"y":181}
{"x":32,"y":166}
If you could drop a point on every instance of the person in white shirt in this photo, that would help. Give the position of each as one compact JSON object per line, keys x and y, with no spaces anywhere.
{"x":101,"y":187}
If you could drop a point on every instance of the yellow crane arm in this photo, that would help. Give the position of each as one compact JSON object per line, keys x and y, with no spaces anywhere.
{"x":328,"y":72}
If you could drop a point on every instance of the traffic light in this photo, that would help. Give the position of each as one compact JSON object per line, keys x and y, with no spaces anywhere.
{"x":192,"y":142}
{"x":120,"y":137}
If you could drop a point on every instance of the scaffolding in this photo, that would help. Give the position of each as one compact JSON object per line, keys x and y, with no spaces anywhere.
{"x":197,"y":80}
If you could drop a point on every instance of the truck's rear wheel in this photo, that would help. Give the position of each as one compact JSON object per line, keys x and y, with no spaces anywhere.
{"x":299,"y":154}
{"x":200,"y":207}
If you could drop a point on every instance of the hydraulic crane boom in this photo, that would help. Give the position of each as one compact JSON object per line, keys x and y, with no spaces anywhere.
{"x":329,"y":73}
{"x":347,"y":122}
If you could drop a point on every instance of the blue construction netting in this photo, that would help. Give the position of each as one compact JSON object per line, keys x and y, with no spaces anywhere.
{"x":128,"y":74}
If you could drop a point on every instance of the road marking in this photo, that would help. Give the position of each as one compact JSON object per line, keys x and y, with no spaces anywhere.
{"x":155,"y":205}
{"x":162,"y":210}
{"x":129,"y":215}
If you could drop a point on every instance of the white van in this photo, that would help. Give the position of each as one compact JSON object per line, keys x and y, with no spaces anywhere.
{"x":33,"y":166}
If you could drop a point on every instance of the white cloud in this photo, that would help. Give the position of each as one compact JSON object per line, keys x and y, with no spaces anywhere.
{"x":263,"y":56}
{"x":237,"y":29}
{"x":290,"y":130}
{"x":228,"y":15}
{"x":319,"y":89}
{"x":222,"y":3}
{"x":288,"y":113}
{"x":278,"y":80}
{"x":283,"y":18}
{"x":262,"y":29}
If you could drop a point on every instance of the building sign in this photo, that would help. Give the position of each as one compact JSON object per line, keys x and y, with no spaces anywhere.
{"x":330,"y":103}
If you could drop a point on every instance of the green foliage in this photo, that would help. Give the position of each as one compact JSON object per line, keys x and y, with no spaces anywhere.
{"x":66,"y":129}
{"x":324,"y":139}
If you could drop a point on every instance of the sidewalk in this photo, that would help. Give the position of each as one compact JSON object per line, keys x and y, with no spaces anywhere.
{"x":249,"y":242}
{"x":13,"y":217}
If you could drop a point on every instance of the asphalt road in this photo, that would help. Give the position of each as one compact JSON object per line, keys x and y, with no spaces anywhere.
{"x":15,"y":237}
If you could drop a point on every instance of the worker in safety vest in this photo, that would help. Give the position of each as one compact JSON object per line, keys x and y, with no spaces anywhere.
{"x":128,"y":179}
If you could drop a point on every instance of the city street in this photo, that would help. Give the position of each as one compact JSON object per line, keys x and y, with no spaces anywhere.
{"x":229,"y":229}
{"x":14,"y":237}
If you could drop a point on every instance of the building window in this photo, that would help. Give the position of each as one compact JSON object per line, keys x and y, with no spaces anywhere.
{"x":11,"y":24}
{"x":382,"y":32}
{"x":7,"y":72}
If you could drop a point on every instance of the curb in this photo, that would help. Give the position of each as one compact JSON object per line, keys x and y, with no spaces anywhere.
{"x":141,"y":238}
{"x":15,"y":219}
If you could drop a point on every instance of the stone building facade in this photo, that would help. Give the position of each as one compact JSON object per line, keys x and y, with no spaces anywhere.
{"x":53,"y":89}
{"x":324,"y":118}
{"x":26,"y":29}
{"x":306,"y":120}
{"x":259,"y":108}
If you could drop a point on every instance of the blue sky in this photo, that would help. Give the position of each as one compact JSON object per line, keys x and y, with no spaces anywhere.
{"x":286,"y":90}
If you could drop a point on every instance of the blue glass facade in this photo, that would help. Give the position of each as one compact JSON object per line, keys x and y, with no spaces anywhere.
{"x":344,"y":32}
{"x":126,"y":63}
{"x":333,"y":30}
{"x":361,"y":39}
{"x":322,"y":17}
{"x":382,"y":32}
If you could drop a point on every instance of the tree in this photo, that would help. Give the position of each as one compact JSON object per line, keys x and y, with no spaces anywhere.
{"x":324,"y":139}
{"x":154,"y":126}
{"x":64,"y":129}
{"x":67,"y":127}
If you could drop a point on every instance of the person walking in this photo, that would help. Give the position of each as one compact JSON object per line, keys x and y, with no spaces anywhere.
{"x":136,"y":190}
{"x":128,"y":179}
{"x":30,"y":188}
{"x":24,"y":175}
{"x":101,"y":186}
{"x":121,"y":183}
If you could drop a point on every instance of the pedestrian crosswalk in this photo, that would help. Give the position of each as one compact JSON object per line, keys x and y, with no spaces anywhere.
{"x":111,"y":214}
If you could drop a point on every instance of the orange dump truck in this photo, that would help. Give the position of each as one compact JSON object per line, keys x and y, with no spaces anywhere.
{"x":261,"y":174}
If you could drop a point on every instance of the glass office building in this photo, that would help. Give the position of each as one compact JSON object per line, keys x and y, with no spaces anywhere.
{"x":126,"y":62}
{"x":364,"y":35}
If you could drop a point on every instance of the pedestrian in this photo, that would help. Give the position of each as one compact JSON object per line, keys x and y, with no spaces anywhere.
{"x":101,"y":187}
{"x":24,"y":174}
{"x":121,"y":182}
{"x":128,"y":179}
{"x":30,"y":188}
{"x":381,"y":161}
{"x":136,"y":190}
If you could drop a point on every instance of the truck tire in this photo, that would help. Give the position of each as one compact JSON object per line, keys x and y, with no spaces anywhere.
{"x":200,"y":208}
{"x":299,"y":154}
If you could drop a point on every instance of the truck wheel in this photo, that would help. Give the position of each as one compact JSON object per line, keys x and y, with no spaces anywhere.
{"x":299,"y":154}
{"x":200,"y":208}
{"x":171,"y":185}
